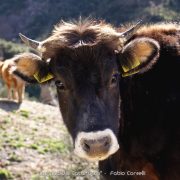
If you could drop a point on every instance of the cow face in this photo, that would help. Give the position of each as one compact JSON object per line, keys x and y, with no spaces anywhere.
{"x":87,"y":81}
{"x":86,"y":68}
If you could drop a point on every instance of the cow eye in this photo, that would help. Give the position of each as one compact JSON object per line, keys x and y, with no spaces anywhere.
{"x":59,"y":85}
{"x":114,"y":79}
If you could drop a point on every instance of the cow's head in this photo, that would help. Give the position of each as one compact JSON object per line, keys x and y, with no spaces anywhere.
{"x":86,"y":61}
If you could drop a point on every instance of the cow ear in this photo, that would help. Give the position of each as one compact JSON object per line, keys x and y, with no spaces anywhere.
{"x":138,"y":56}
{"x":31,"y":68}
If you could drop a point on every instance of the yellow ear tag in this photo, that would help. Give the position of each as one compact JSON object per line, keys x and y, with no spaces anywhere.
{"x":130,"y":70}
{"x":131,"y":66}
{"x":44,"y":79}
{"x":125,"y":74}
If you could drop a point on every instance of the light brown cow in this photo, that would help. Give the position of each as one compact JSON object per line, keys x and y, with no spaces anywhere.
{"x":15,"y":85}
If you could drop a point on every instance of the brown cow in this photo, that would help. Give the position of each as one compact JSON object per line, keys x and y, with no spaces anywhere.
{"x":129,"y":124}
{"x":15,"y":85}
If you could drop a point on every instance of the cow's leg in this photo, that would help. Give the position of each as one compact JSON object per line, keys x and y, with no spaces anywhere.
{"x":9,"y":90}
{"x":14,"y":93}
{"x":15,"y":89}
{"x":21,"y":88}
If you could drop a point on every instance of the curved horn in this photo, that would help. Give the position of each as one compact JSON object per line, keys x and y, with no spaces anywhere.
{"x":127,"y":34}
{"x":29,"y":42}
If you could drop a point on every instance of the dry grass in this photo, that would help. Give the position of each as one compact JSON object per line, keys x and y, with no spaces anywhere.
{"x":35,"y":145}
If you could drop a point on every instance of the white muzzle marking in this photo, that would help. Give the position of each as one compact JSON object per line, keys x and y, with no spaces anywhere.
{"x":93,"y":136}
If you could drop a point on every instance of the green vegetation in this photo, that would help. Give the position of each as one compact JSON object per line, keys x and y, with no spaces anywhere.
{"x":24,"y":113}
{"x":14,"y":157}
{"x":163,"y":12}
{"x":6,"y":120}
{"x":49,"y":145}
{"x":9,"y":49}
{"x":5,"y":174}
{"x":15,"y":141}
{"x":38,"y":177}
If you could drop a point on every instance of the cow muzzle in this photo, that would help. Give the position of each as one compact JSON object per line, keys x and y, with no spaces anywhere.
{"x":96,"y":146}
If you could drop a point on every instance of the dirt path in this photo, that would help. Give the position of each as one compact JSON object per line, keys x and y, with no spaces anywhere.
{"x":35,"y":145}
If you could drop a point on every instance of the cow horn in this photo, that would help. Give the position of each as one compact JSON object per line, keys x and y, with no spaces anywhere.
{"x":127,"y":34}
{"x":29,"y":42}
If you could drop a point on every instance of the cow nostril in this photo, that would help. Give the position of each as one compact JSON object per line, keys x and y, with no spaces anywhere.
{"x":107,"y":143}
{"x":86,"y":147}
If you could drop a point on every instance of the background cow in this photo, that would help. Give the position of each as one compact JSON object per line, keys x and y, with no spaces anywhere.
{"x":102,"y":107}
{"x":15,"y":85}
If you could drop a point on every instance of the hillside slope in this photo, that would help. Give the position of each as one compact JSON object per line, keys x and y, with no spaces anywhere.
{"x":36,"y":18}
{"x":34,"y":144}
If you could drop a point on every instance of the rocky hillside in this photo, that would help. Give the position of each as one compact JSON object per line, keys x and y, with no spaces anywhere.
{"x":35,"y":145}
{"x":36,"y":18}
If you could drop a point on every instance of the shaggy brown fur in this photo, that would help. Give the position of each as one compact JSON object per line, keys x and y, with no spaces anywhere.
{"x":78,"y":34}
{"x":167,"y":35}
{"x":91,"y":33}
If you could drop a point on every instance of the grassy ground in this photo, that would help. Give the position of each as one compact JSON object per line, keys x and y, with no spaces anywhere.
{"x":35,"y":145}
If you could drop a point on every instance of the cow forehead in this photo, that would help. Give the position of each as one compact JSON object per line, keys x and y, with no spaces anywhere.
{"x":91,"y":64}
{"x":85,"y":57}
